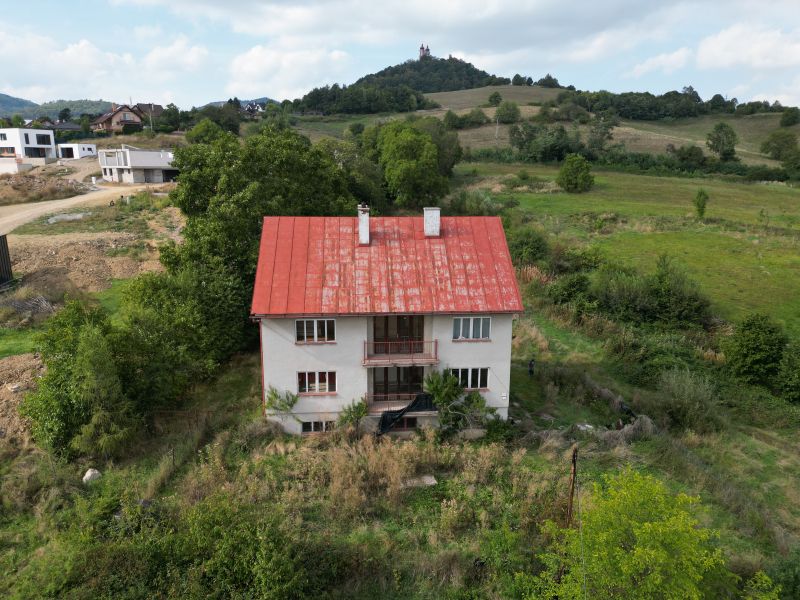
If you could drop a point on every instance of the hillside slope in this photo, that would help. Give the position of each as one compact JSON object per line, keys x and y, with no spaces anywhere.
{"x":431,"y":74}
{"x":10,"y":105}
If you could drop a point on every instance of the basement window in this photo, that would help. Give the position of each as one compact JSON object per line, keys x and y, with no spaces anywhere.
{"x":471,"y":328}
{"x":318,"y":426}
{"x":406,"y":423}
{"x":316,"y":382}
{"x":472,"y":379}
{"x":315,"y":331}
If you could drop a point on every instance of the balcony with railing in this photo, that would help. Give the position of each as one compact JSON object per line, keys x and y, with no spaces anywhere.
{"x":380,"y":403}
{"x":381,"y":353}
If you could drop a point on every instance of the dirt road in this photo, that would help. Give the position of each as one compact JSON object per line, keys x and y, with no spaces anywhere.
{"x":14,"y":215}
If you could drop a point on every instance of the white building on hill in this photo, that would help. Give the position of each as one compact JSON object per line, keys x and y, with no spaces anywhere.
{"x":75,"y":151}
{"x":366,"y":307}
{"x":22,"y":149}
{"x":133,"y":165}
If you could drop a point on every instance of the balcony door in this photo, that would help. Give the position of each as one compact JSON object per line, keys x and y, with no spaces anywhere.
{"x":398,"y":334}
{"x":392,"y":383}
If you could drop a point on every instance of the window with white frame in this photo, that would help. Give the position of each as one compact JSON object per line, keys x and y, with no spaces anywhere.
{"x":2,"y":137}
{"x":316,"y":382}
{"x":472,"y":328}
{"x":315,"y":331}
{"x":317,"y":426}
{"x":472,"y":379}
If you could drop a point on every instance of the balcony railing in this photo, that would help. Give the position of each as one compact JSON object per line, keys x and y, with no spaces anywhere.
{"x":379,"y":403}
{"x":401,"y":352}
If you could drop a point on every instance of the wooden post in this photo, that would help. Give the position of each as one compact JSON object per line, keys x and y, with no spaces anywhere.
{"x":573,"y":476}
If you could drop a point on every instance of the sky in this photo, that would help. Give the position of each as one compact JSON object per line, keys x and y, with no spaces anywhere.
{"x":191,"y":52}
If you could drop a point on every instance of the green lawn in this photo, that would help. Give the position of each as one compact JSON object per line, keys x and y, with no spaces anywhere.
{"x":740,"y":273}
{"x":16,"y":341}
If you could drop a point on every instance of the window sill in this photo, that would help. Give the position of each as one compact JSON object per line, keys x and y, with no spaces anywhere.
{"x":304,"y":394}
{"x":476,"y":389}
{"x":315,"y":343}
{"x":471,"y":341}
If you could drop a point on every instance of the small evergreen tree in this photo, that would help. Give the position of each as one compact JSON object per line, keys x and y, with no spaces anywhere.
{"x":575,"y":175}
{"x":700,"y":201}
{"x":495,"y":99}
{"x":755,"y":350}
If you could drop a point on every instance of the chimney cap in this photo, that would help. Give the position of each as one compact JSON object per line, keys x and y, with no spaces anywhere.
{"x":432,"y":221}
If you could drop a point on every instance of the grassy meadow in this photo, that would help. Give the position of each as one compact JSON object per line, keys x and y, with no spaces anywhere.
{"x":745,"y":254}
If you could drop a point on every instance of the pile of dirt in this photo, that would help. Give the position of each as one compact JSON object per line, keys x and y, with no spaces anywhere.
{"x":24,"y":187}
{"x":86,"y":261}
{"x":18,"y":375}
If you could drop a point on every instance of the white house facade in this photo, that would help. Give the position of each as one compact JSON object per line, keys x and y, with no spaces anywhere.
{"x":133,"y":165}
{"x":344,"y":316}
{"x":75,"y":151}
{"x":22,"y":149}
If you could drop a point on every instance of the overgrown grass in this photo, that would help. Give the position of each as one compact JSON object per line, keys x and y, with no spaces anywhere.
{"x":17,"y":341}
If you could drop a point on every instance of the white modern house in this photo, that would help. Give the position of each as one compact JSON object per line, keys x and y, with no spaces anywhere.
{"x":75,"y":151}
{"x":22,"y":149}
{"x":129,"y":164}
{"x":352,"y":308}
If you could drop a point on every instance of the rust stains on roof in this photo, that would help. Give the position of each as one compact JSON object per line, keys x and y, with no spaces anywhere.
{"x":315,"y":266}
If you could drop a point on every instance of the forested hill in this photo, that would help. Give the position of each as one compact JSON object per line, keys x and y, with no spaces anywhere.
{"x":399,"y":88}
{"x":10,"y":105}
{"x":431,"y":74}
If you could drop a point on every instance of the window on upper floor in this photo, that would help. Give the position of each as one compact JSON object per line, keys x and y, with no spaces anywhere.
{"x":42,"y":139}
{"x":473,"y":378}
{"x":472,"y":328}
{"x":316,"y":382}
{"x":27,"y":141}
{"x":2,"y":137}
{"x":315,"y":331}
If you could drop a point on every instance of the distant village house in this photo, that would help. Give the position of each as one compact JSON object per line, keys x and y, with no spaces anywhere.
{"x":118,"y":118}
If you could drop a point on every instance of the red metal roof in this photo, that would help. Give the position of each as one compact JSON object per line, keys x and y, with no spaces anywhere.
{"x":315,"y":266}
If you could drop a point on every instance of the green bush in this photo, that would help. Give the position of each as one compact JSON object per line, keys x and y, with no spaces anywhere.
{"x":755,"y":350}
{"x":575,"y":175}
{"x":790,"y":116}
{"x":789,"y":374}
{"x":667,"y":296}
{"x":527,"y":245}
{"x":568,"y":288}
{"x":689,"y":400}
{"x":508,"y":112}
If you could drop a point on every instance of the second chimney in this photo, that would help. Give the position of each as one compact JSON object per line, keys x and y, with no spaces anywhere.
{"x":432,"y":221}
{"x":363,"y":225}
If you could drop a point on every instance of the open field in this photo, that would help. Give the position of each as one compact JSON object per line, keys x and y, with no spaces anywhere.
{"x":467,"y":99}
{"x":746,"y":255}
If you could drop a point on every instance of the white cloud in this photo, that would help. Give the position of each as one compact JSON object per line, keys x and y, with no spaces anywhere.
{"x":283,"y":73}
{"x":146,"y":32}
{"x":668,"y":62}
{"x":39,"y":68}
{"x":750,"y":46}
{"x":178,"y":56}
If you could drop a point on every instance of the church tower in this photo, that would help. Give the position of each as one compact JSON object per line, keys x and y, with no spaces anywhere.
{"x":421,"y":51}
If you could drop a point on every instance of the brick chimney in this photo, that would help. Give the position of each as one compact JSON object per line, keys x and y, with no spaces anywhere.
{"x":432,"y":221}
{"x":363,"y":225}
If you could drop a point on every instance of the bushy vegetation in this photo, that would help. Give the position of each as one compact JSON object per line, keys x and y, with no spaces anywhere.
{"x":755,"y":350}
{"x":575,"y":175}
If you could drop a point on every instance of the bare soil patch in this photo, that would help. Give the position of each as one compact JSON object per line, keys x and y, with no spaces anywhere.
{"x":18,"y":375}
{"x":78,"y":261}
{"x":28,"y":187}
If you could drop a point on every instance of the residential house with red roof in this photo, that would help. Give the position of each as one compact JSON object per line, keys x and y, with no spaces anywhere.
{"x":366,"y":307}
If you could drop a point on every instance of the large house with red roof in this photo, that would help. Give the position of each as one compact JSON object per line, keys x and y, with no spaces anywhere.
{"x":365,"y":307}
